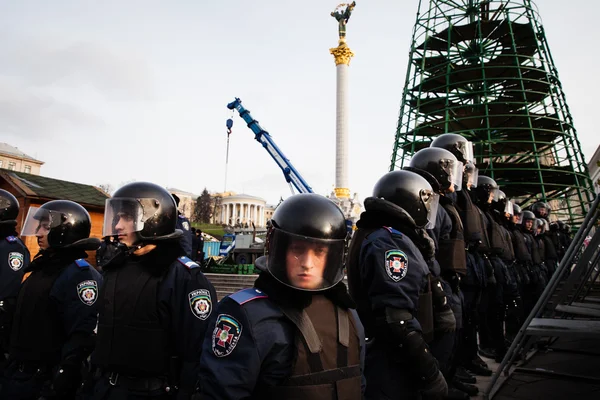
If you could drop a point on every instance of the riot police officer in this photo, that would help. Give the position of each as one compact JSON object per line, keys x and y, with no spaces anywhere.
{"x":476,"y":243}
{"x":183,"y":224}
{"x":55,"y":316}
{"x":501,"y":290}
{"x":541,"y":210}
{"x":537,"y":278}
{"x":443,"y":170}
{"x":14,"y":260}
{"x":294,"y":335}
{"x":518,"y":273}
{"x":155,"y":304}
{"x":389,"y":279}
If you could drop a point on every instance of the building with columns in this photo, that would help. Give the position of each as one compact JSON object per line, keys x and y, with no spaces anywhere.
{"x":241,"y":209}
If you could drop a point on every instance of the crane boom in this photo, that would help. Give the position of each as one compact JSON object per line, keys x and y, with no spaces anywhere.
{"x":292,"y":176}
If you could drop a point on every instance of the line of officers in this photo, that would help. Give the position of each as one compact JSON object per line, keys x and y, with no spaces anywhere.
{"x":439,"y":258}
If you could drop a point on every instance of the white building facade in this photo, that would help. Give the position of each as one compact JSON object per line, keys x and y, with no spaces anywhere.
{"x":242,"y":209}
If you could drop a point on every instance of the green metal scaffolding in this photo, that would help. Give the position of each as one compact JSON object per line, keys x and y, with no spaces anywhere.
{"x":483,"y":69}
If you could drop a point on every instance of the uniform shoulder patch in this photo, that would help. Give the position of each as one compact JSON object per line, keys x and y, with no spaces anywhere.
{"x":11,"y":239}
{"x":81,"y":263}
{"x":244,"y":296}
{"x":200,"y":303}
{"x":392,"y":230}
{"x":15,"y":260}
{"x":88,"y":292}
{"x":226,"y":335}
{"x":396,"y":264}
{"x":187,"y":262}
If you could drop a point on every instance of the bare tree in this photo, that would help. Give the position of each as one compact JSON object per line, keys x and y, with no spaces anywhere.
{"x":106,"y":188}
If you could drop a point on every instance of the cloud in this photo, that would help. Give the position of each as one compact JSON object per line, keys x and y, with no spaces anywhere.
{"x":25,"y":112}
{"x":41,"y":62}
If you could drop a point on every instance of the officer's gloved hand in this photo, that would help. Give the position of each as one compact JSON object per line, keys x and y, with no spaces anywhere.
{"x":435,"y":389}
{"x":67,"y":379}
{"x":443,"y":317}
{"x":489,"y":271}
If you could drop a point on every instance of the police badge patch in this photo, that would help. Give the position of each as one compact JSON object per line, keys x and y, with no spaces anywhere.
{"x":185,"y":225}
{"x":15,"y":260}
{"x":88,"y":292}
{"x":396,"y":264}
{"x":200,"y":303}
{"x":226,"y":335}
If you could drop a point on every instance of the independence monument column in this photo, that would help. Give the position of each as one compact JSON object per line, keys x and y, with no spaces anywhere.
{"x":342,"y":55}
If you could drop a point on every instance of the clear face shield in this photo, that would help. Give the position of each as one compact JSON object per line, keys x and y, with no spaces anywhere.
{"x":494,"y":192}
{"x":538,"y":227}
{"x":40,"y":221}
{"x":470,"y":175}
{"x":516,"y":218}
{"x":508,"y":208}
{"x":431,"y":201}
{"x":305,"y":263}
{"x":468,"y":152}
{"x":455,"y":173}
{"x":125,"y":215}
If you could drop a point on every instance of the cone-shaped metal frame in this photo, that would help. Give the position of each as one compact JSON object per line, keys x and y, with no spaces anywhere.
{"x":483,"y":69}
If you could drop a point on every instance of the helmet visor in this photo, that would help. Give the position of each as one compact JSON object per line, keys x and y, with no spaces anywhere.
{"x":508,"y":207}
{"x":123,"y":215}
{"x":305,"y":263}
{"x":471,"y":174}
{"x":457,"y":176}
{"x":468,"y":151}
{"x":431,"y":201}
{"x":40,"y":221}
{"x":494,"y":192}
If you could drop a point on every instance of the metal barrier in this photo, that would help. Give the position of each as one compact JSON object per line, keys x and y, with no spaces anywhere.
{"x":562,"y":302}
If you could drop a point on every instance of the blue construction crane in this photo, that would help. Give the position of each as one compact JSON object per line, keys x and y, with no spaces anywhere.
{"x":292,"y":176}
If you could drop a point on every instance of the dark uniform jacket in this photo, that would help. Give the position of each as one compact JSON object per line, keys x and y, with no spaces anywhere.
{"x":58,"y":298}
{"x":387,"y":274}
{"x":256,"y":350}
{"x":154,"y":311}
{"x":186,"y":241}
{"x":14,"y":261}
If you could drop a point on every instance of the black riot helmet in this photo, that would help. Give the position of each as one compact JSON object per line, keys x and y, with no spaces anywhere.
{"x":455,"y":144}
{"x":9,"y":207}
{"x":486,"y":190}
{"x":411,"y":192}
{"x":539,"y":228}
{"x":526,"y":216}
{"x":64,"y":222}
{"x":306,"y":243}
{"x":142,"y":208}
{"x":516,"y":214}
{"x":517,"y":209}
{"x":502,"y":204}
{"x":442,"y":164}
{"x":541,"y":209}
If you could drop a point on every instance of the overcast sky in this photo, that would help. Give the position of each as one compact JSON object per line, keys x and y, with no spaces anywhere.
{"x":113,"y":91}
